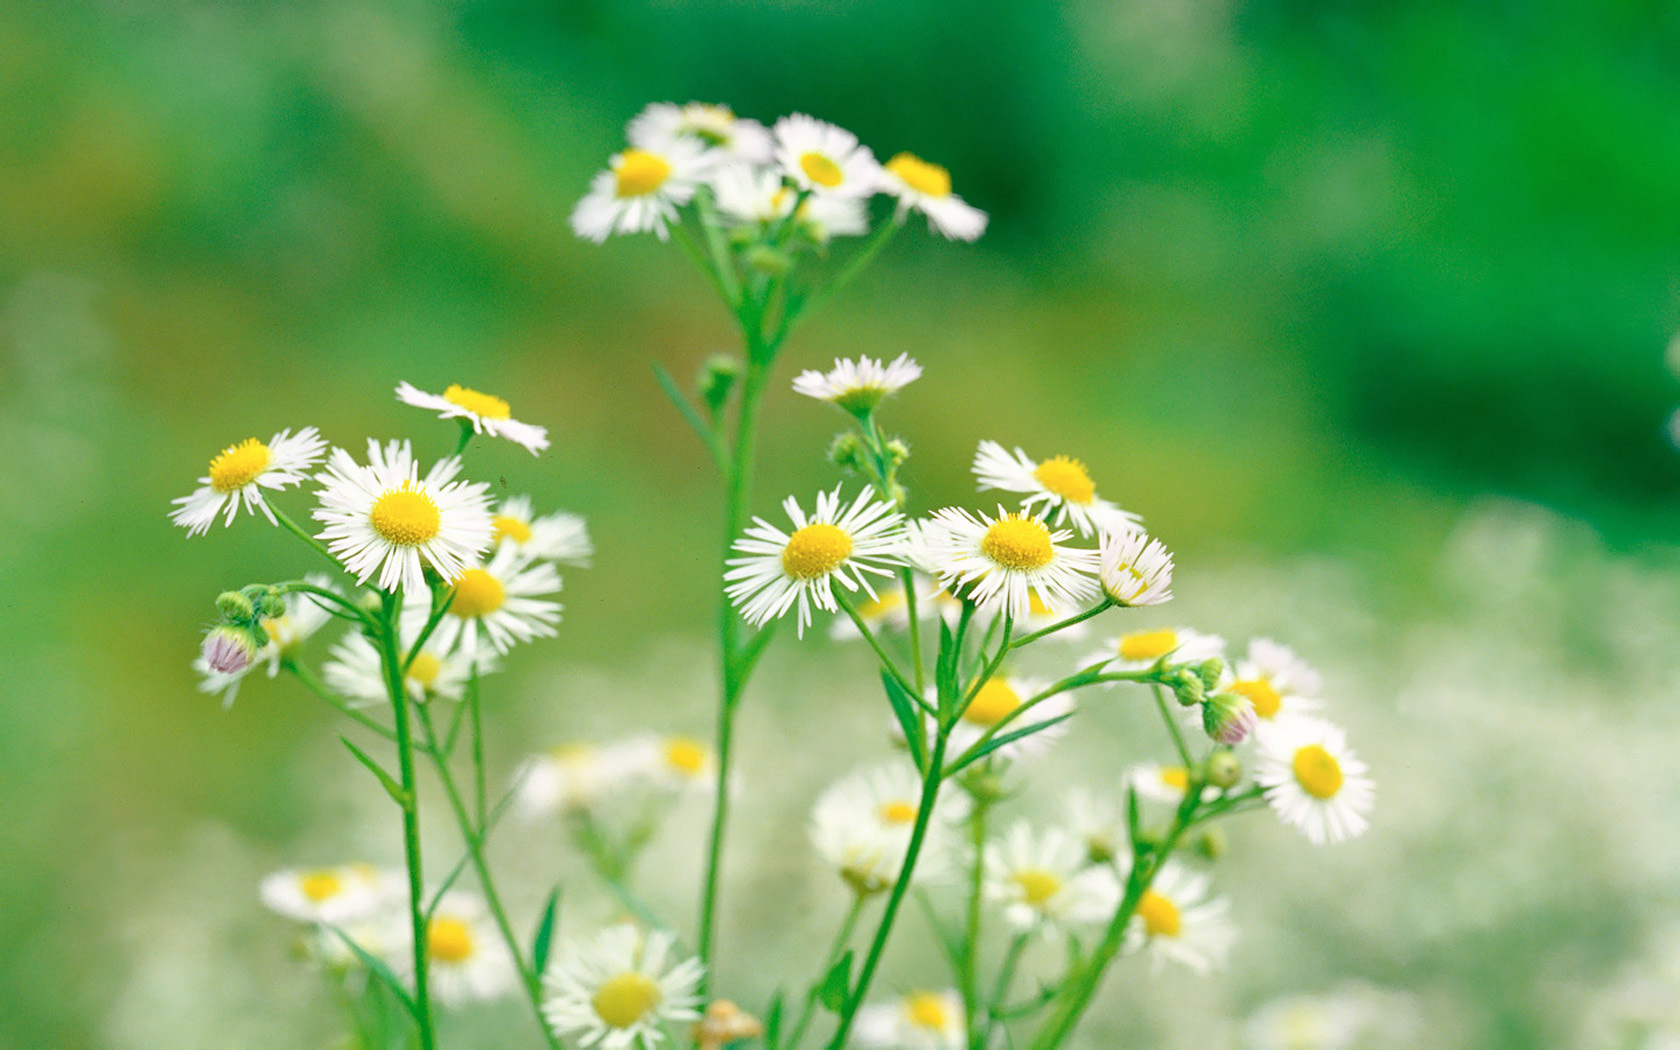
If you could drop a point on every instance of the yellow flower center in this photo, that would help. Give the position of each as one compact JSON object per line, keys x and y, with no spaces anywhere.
{"x":486,"y":405}
{"x":920,"y":175}
{"x":623,"y":1000}
{"x":405,"y":516}
{"x":449,"y":940}
{"x":1037,"y":885}
{"x":1148,"y":645}
{"x":1176,"y":777}
{"x":1036,"y":606}
{"x":238,"y":465}
{"x":1317,"y":771}
{"x":821,"y":170}
{"x":424,"y":670}
{"x":876,"y":608}
{"x":1066,"y":478}
{"x":321,"y":885}
{"x":506,"y":528}
{"x":639,"y":173}
{"x":1260,"y":693}
{"x":994,"y":700}
{"x":926,"y":1010}
{"x":1018,"y":543}
{"x":1160,"y":915}
{"x":897,"y":811}
{"x":477,"y":593}
{"x":685,"y":755}
{"x":815,"y":550}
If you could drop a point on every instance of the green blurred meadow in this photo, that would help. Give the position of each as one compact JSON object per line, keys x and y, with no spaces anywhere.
{"x":1363,"y":307}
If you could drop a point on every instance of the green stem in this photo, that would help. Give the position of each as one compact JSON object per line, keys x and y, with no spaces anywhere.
{"x":1000,"y":992}
{"x":1027,"y":639}
{"x":989,"y":668}
{"x":463,"y":439}
{"x":721,"y":257}
{"x":966,"y":976}
{"x":853,"y":267}
{"x":908,"y":575}
{"x":389,"y":610}
{"x":874,"y":643}
{"x":841,"y":939}
{"x":1172,"y":726}
{"x":305,"y":587}
{"x":314,"y":685}
{"x":297,"y":530}
{"x":477,"y":743}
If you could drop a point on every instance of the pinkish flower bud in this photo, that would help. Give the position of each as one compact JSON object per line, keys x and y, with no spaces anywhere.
{"x":229,"y":650}
{"x":1228,"y":718}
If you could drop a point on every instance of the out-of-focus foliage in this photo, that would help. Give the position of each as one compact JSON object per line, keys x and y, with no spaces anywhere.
{"x":1298,"y":281}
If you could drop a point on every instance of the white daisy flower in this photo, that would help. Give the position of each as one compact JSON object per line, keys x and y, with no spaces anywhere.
{"x":889,"y":610}
{"x":618,"y":990}
{"x":354,"y":671}
{"x":1001,"y":561}
{"x":1312,"y":779}
{"x":834,"y":544}
{"x":642,"y":190}
{"x":1275,"y":680}
{"x":998,"y":699}
{"x":1061,"y":484}
{"x":824,"y":159}
{"x":919,"y":1020}
{"x":1043,"y":883}
{"x":558,"y":537}
{"x":226,"y":683}
{"x":487,"y":413}
{"x":1353,"y":1014}
{"x":858,"y":386}
{"x":1135,"y":569}
{"x":500,"y":601}
{"x":1165,"y":784}
{"x":239,"y":474}
{"x":338,"y":895}
{"x":675,"y":764}
{"x":383,"y":519}
{"x":1141,"y":650}
{"x":564,"y":779}
{"x":1097,"y":820}
{"x":861,"y":826}
{"x":926,"y":187}
{"x":466,"y":959}
{"x":1176,"y":921}
{"x":713,"y":127}
{"x":757,"y":196}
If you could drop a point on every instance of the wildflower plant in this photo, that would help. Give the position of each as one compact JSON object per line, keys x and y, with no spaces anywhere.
{"x":966,"y":612}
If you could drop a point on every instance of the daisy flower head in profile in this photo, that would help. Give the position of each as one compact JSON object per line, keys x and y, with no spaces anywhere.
{"x":383,"y":520}
{"x":999,"y":562}
{"x":926,"y":187}
{"x":1060,"y":484}
{"x":836,"y":543}
{"x":485,"y":413}
{"x":240,"y":473}
{"x":1312,"y":778}
{"x":1275,"y":680}
{"x":1134,"y":569}
{"x":822,"y":159}
{"x":569,"y":778}
{"x":1042,"y":881}
{"x":338,"y":895}
{"x":758,"y":196}
{"x":499,"y":604}
{"x":858,"y":386}
{"x":558,"y":537}
{"x":619,"y":989}
{"x":917,"y":1020}
{"x":642,"y":189}
{"x":713,"y":127}
{"x":1175,"y":921}
{"x":466,"y":959}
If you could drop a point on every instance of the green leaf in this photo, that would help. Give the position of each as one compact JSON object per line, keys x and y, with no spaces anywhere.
{"x":379,"y":969}
{"x":945,"y":669}
{"x":773,"y":1021}
{"x":392,"y":788}
{"x":1007,"y":738}
{"x":1132,"y":821}
{"x":835,"y":987}
{"x":909,"y":720}
{"x":684,"y":406}
{"x":545,"y":933}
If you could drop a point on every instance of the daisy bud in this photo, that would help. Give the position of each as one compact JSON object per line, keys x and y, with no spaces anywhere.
{"x":1228,"y":718}
{"x":984,"y":786}
{"x":1211,"y":844}
{"x":229,"y":650}
{"x":272,"y":604}
{"x":235,"y":607}
{"x":898,"y":449}
{"x":1187,"y":686}
{"x":1211,"y":671}
{"x":1224,"y":769}
{"x":846,"y":452}
{"x":717,"y":378}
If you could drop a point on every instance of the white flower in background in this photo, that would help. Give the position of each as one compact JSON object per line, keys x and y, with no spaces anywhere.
{"x":619,"y":989}
{"x":558,"y":537}
{"x":998,"y":700}
{"x":999,"y":562}
{"x":889,"y":610}
{"x":337,"y":895}
{"x":383,"y":519}
{"x":674,"y":764}
{"x":1061,"y":485}
{"x":835,"y":543}
{"x":657,"y":127}
{"x":861,"y":826}
{"x":353,"y":668}
{"x":1275,"y":680}
{"x":758,"y":196}
{"x":563,"y":779}
{"x":466,"y":960}
{"x":303,"y":616}
{"x":920,"y":1020}
{"x":858,"y":386}
{"x":1042,"y":881}
{"x":239,"y":474}
{"x":1135,"y":569}
{"x":1141,"y":650}
{"x":1165,"y":784}
{"x":1312,"y":779}
{"x":1176,"y":921}
{"x":823,"y":159}
{"x":500,"y":601}
{"x":487,"y":413}
{"x":1097,"y":820}
{"x":1353,"y":1014}
{"x":926,"y":187}
{"x":641,"y":190}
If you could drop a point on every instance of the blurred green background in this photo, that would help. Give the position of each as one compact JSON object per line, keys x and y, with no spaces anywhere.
{"x":1364,"y":307}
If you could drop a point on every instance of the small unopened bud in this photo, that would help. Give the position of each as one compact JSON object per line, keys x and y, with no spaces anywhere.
{"x":865,"y":882}
{"x":846,"y":452}
{"x":898,"y":449}
{"x":1211,"y":671}
{"x":716,"y":379}
{"x":229,"y":650}
{"x":1187,"y":687}
{"x":1211,"y":844}
{"x":1224,"y":769}
{"x":984,"y":786}
{"x":769,"y":261}
{"x":235,"y":607}
{"x":272,"y":605}
{"x":1228,"y":718}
